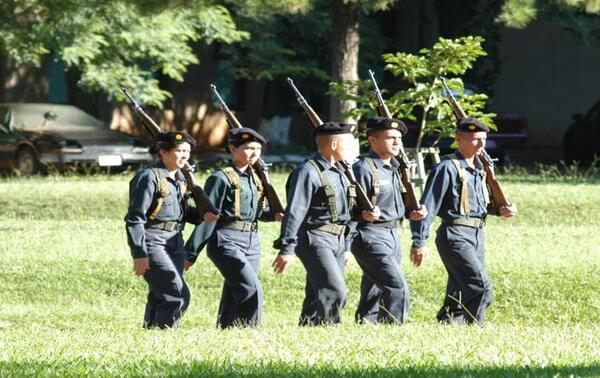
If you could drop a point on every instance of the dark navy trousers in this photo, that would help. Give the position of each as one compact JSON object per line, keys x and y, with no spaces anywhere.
{"x":322,"y":255}
{"x":384,"y":294}
{"x":168,"y":295}
{"x":469,"y":289}
{"x":237,"y":256}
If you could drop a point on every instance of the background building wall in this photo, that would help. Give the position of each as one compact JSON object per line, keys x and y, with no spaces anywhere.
{"x":547,"y":74}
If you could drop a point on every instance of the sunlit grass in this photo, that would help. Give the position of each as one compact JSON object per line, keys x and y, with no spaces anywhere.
{"x":70,"y":304}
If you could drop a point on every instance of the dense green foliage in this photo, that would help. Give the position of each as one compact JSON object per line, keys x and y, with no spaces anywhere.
{"x":425,"y":97}
{"x":115,"y":42}
{"x":72,"y":306}
{"x":578,"y":16}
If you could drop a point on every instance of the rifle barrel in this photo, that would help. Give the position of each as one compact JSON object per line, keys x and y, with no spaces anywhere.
{"x":313,"y":117}
{"x":231,"y":118}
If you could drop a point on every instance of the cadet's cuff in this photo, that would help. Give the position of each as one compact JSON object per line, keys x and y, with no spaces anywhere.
{"x":491,"y":210}
{"x":192,"y":257}
{"x":138,"y":254}
{"x":287,"y":252}
{"x":284,"y":249}
{"x":418,"y":243}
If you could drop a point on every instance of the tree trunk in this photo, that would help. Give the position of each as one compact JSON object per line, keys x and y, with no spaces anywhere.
{"x":345,"y":45}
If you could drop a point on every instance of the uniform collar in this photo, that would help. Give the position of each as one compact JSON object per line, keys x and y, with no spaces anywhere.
{"x":164,"y":172}
{"x":379,"y":162}
{"x":238,"y":171}
{"x":464,"y":164}
{"x":324,"y":163}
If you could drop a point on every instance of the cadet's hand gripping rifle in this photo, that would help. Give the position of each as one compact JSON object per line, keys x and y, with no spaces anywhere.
{"x":260,"y":167}
{"x":410,"y":197}
{"x":498,"y":196}
{"x":363,"y":200}
{"x":200,"y":198}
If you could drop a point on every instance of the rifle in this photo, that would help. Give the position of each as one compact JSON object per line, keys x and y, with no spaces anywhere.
{"x":260,"y":167}
{"x":198,"y":194}
{"x":498,"y":197}
{"x":410,"y":198}
{"x":314,"y":119}
{"x":363,"y":200}
{"x":459,"y":113}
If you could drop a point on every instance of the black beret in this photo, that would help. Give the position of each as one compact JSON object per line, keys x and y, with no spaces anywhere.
{"x":170,"y":139}
{"x":471,"y":125}
{"x":383,"y":123}
{"x":332,"y":128}
{"x":239,"y":136}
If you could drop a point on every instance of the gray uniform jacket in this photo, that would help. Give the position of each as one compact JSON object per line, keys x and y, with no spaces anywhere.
{"x":307,"y":204}
{"x":389,"y":199}
{"x":442,"y":195}
{"x":221,"y":194}
{"x":143,"y":197}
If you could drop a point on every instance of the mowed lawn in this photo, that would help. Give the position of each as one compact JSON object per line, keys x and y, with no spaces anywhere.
{"x":70,"y":304}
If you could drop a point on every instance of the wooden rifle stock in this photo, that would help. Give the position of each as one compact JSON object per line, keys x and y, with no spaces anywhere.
{"x":314,"y":119}
{"x":410,"y":198}
{"x":260,"y":167}
{"x":231,"y":118}
{"x":151,"y":127}
{"x":262,"y":171}
{"x":363,"y":201}
{"x":498,"y":197}
{"x":459,"y":113}
{"x":382,"y":108}
{"x":201,"y":200}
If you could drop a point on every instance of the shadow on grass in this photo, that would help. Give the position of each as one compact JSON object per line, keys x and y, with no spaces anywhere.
{"x":81,"y":367}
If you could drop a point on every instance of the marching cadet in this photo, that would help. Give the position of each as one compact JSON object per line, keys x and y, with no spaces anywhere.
{"x":154,"y":222}
{"x":384,"y":295}
{"x":314,"y":225}
{"x":233,"y":244}
{"x":456,"y":191}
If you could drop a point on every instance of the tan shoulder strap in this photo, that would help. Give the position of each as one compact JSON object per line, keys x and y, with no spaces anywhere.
{"x":375,"y":172}
{"x":162,"y":191}
{"x":183,"y":188}
{"x":236,"y":184}
{"x":464,"y":187}
{"x":259,"y":188}
{"x":484,"y":188}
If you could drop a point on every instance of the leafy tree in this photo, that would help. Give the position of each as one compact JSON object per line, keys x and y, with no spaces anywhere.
{"x":115,"y":42}
{"x":578,"y":16}
{"x":345,"y":42}
{"x":283,"y":41}
{"x":425,"y":96}
{"x":292,"y":41}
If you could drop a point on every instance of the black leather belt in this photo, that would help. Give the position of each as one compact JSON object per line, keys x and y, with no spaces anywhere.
{"x":166,"y":226}
{"x":469,"y":222}
{"x":241,"y":226}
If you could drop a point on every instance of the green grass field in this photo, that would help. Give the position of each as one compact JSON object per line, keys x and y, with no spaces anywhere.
{"x":71,"y":306}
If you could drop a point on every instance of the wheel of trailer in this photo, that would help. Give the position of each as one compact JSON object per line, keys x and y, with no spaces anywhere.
{"x":27,"y":162}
